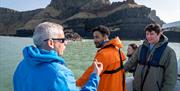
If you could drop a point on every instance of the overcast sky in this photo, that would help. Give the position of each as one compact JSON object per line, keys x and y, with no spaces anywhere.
{"x":167,"y":10}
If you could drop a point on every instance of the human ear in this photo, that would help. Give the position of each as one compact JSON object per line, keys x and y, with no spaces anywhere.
{"x":51,"y":43}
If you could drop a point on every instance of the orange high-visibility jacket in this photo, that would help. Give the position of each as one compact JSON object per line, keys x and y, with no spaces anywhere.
{"x":110,"y":58}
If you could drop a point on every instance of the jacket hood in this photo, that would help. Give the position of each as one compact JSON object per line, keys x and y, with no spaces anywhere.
{"x":115,"y":42}
{"x":163,"y":40}
{"x":36,"y":56}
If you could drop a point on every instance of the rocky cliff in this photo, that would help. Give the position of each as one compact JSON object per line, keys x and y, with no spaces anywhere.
{"x":11,"y":20}
{"x":126,"y":19}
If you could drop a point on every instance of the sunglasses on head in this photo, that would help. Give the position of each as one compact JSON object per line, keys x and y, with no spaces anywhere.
{"x":61,"y":40}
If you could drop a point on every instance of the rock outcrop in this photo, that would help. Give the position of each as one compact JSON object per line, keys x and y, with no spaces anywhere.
{"x":79,"y":16}
{"x":11,"y":20}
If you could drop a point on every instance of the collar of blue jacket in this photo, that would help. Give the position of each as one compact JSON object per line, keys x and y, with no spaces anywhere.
{"x":38,"y":56}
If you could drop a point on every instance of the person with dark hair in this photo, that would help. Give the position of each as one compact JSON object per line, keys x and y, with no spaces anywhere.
{"x":110,"y":55}
{"x":156,"y":62}
{"x":130,"y":51}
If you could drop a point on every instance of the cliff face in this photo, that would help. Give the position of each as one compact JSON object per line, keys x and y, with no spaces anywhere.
{"x":11,"y":20}
{"x":124,"y":18}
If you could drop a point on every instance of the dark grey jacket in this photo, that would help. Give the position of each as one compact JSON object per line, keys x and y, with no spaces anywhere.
{"x":158,"y":79}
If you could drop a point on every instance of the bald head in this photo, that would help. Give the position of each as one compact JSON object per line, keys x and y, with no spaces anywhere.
{"x":47,"y":30}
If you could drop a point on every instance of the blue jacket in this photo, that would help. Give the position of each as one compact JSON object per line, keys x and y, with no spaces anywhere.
{"x":43,"y":70}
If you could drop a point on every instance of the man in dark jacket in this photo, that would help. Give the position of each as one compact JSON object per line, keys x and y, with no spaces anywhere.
{"x":156,"y":62}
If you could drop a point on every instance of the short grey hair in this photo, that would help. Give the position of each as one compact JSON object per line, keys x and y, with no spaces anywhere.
{"x":46,"y":30}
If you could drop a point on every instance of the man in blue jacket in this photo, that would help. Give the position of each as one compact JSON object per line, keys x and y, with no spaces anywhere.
{"x":43,"y":67}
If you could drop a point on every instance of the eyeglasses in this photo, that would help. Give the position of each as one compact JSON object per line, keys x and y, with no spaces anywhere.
{"x":61,"y":40}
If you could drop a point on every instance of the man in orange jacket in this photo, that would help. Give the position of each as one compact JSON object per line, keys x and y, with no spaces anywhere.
{"x":109,"y":54}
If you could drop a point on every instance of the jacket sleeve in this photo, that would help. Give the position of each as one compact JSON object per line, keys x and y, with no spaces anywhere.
{"x":84,"y":78}
{"x":67,"y":83}
{"x":170,"y":75}
{"x":132,"y":61}
{"x":92,"y":83}
{"x":64,"y":83}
